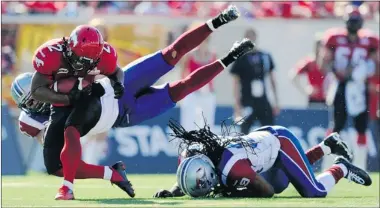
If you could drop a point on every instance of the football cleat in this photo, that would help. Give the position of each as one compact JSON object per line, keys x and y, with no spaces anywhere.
{"x":229,"y":14}
{"x":64,"y":193}
{"x":124,"y":185}
{"x":241,"y":48}
{"x":354,"y":173}
{"x":338,"y":146}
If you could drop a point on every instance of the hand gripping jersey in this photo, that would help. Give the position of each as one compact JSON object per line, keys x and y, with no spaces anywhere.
{"x":240,"y":164}
{"x":48,"y":60}
{"x":32,"y":124}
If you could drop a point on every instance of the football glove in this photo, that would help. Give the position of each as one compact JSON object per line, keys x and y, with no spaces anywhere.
{"x":118,"y":88}
{"x":77,"y":96}
{"x":163,"y":194}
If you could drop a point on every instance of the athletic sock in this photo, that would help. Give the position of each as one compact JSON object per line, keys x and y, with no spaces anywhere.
{"x":314,"y":154}
{"x":71,"y":153}
{"x":185,"y":43}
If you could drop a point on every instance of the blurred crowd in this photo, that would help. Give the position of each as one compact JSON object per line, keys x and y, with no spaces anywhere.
{"x":254,"y":9}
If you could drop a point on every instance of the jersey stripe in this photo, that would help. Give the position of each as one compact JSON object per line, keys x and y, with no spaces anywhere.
{"x":290,"y":149}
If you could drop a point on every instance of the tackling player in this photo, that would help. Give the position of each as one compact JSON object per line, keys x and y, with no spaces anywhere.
{"x":350,"y":54}
{"x":140,"y":101}
{"x":259,"y":164}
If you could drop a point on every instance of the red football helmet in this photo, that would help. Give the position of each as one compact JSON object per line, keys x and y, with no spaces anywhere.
{"x":84,"y":47}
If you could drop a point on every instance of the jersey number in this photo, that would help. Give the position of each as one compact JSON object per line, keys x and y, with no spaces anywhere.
{"x":243,"y":182}
{"x":342,"y":56}
{"x":57,"y":47}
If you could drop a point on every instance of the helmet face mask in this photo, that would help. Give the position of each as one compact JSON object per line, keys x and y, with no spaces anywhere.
{"x":83,"y":48}
{"x":196,"y":176}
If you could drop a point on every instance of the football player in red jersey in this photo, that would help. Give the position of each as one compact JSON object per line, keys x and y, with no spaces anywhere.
{"x":140,"y":101}
{"x":84,"y":55}
{"x":350,"y":54}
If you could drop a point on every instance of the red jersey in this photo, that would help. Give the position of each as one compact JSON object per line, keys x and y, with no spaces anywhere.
{"x":48,"y":60}
{"x":193,"y":64}
{"x":346,"y":52}
{"x":315,"y":76}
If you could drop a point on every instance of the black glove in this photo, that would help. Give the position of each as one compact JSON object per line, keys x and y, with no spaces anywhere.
{"x":163,"y":194}
{"x":118,"y":89}
{"x":77,"y":96}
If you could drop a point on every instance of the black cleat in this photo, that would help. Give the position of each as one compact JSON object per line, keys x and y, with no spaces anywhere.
{"x":124,"y":185}
{"x":338,"y":146}
{"x":229,"y":14}
{"x":241,"y":48}
{"x":354,"y":173}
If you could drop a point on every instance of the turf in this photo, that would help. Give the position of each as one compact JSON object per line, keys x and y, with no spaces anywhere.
{"x":38,"y":190}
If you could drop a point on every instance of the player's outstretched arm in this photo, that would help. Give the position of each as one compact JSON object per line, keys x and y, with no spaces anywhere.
{"x":117,"y":82}
{"x":41,"y":91}
{"x":175,"y":191}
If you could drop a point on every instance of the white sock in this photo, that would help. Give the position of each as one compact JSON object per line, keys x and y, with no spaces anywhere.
{"x":326,"y":149}
{"x":327,"y":180}
{"x":221,"y":63}
{"x":107,"y":173}
{"x":68,"y":184}
{"x":343,"y":168}
{"x":210,"y":25}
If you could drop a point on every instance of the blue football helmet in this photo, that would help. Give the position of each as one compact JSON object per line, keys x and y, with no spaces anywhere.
{"x":20,"y":91}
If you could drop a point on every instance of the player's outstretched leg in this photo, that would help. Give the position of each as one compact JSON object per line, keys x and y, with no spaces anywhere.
{"x":343,"y":168}
{"x":200,"y":77}
{"x":158,"y":99}
{"x":145,"y":71}
{"x":332,"y":144}
{"x":353,"y":173}
{"x":192,"y":38}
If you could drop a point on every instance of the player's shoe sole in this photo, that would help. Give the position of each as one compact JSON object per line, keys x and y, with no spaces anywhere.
{"x":338,"y":146}
{"x":239,"y":49}
{"x":124,"y":185}
{"x":354,"y":173}
{"x":64,"y":193}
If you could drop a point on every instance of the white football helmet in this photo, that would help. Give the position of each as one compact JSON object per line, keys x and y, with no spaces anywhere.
{"x":20,"y":91}
{"x":196,"y":176}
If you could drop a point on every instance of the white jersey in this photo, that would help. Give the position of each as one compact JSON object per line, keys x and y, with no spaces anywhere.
{"x":239,"y":160}
{"x":33,"y":124}
{"x":110,"y":109}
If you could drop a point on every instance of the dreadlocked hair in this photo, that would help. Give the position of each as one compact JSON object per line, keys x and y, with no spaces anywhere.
{"x":213,"y":145}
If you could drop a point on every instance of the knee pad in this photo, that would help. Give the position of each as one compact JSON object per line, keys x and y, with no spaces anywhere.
{"x":171,"y":55}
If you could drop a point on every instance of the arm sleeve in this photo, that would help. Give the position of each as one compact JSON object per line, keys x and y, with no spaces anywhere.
{"x":241,"y":174}
{"x":108,"y":60}
{"x":271,"y":63}
{"x":29,"y":125}
{"x":46,"y":62}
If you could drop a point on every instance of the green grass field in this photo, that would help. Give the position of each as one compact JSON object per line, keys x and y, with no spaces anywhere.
{"x":39,"y":191}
